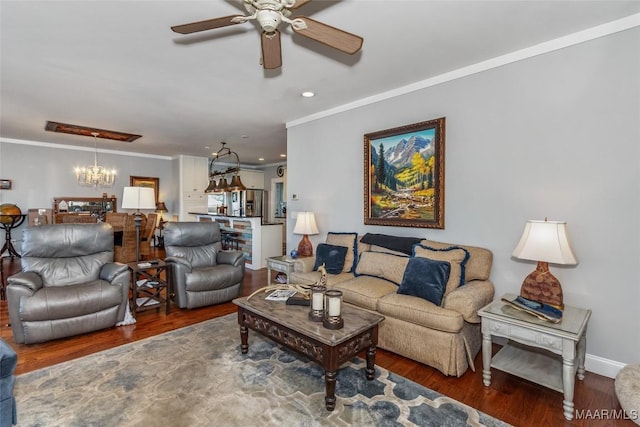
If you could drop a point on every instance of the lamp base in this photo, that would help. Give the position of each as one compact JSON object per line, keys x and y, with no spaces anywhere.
{"x":542,"y":286}
{"x":305,"y":248}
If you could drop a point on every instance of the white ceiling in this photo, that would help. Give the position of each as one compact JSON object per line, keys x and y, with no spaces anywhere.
{"x":116,"y":65}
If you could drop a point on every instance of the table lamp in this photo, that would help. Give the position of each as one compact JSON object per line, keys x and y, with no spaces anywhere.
{"x":138,"y":198}
{"x":305,"y":225}
{"x":545,"y":242}
{"x":160,"y":208}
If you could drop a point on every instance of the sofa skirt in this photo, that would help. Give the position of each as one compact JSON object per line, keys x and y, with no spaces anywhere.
{"x":450,"y":353}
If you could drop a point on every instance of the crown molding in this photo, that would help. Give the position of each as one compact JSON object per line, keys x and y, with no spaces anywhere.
{"x":73,"y":147}
{"x":603,"y":30}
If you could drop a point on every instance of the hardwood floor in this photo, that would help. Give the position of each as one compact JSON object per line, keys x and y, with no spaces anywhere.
{"x":510,"y":399}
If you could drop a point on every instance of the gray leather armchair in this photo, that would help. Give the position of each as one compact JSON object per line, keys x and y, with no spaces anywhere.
{"x":68,"y":285}
{"x":203,"y":274}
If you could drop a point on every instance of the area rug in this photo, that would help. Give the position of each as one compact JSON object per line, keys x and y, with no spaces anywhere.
{"x":196,"y":376}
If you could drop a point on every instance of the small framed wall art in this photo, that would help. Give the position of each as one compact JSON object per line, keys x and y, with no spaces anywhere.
{"x":146,"y":181}
{"x":5,"y":184}
{"x":404,"y":175}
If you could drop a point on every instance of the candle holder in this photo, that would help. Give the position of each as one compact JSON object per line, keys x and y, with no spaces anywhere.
{"x":316,"y":313}
{"x":333,"y":310}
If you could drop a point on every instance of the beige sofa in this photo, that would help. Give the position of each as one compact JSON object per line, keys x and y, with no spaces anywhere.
{"x":446,"y":336}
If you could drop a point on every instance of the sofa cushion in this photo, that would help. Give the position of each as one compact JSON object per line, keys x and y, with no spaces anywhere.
{"x":420,"y":312}
{"x":332,"y":256}
{"x":425,"y":278}
{"x":382,"y":265}
{"x":478,"y":266}
{"x":349,"y":241}
{"x":365,"y":291}
{"x":455,"y":255}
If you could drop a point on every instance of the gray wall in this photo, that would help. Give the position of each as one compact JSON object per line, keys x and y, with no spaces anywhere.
{"x":41,"y":172}
{"x":556,"y":136}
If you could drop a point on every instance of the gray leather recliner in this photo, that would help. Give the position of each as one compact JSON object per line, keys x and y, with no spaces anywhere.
{"x":68,"y":285}
{"x":203,"y":274}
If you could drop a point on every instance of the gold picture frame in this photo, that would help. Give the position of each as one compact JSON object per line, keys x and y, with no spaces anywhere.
{"x":146,"y":181}
{"x":404,"y":175}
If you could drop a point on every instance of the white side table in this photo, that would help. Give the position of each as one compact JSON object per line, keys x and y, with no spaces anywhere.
{"x":563,"y":344}
{"x":282,"y":264}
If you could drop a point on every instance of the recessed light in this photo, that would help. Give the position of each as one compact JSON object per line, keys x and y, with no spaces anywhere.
{"x":283,"y":155}
{"x":261,"y":159}
{"x":308,"y":94}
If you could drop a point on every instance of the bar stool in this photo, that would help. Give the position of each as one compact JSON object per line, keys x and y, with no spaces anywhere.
{"x":229,"y":240}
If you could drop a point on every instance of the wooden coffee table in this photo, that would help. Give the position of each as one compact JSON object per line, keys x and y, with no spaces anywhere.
{"x":290,"y":326}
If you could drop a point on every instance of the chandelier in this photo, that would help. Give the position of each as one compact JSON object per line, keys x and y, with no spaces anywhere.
{"x":94,"y":176}
{"x":222,"y":185}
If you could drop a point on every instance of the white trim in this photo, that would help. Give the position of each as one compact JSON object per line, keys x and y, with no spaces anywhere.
{"x":606,"y":29}
{"x":73,"y":147}
{"x":601,"y":366}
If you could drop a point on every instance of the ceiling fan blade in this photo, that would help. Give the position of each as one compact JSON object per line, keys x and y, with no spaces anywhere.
{"x":299,"y":3}
{"x":271,"y":52}
{"x":209,"y":24}
{"x":331,"y":36}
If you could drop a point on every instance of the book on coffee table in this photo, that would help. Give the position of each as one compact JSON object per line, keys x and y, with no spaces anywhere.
{"x":281,"y":295}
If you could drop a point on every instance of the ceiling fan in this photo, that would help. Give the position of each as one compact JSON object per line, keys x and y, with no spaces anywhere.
{"x":270,"y":14}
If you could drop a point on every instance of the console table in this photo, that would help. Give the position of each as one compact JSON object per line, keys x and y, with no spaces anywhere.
{"x":543,"y":352}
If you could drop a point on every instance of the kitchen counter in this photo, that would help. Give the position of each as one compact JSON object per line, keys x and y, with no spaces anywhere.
{"x":256,"y":240}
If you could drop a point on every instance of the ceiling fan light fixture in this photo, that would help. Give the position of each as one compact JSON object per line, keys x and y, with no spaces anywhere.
{"x":270,"y":14}
{"x":269,"y":20}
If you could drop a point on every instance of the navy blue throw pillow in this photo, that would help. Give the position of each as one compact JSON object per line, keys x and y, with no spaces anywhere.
{"x":331,"y":256}
{"x":425,"y":278}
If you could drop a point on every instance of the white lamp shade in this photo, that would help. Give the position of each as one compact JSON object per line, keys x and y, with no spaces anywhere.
{"x":545,"y":241}
{"x":306,"y":224}
{"x":138,"y":198}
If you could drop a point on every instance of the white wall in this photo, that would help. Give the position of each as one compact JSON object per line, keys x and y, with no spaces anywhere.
{"x":41,"y":172}
{"x":556,"y":136}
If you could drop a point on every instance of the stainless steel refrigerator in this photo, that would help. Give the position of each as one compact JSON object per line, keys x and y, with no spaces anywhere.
{"x":248,"y":203}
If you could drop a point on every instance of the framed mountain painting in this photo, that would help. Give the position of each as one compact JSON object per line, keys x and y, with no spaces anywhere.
{"x":404,"y":175}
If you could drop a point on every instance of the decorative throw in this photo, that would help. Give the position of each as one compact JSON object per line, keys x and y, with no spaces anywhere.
{"x":395,"y":243}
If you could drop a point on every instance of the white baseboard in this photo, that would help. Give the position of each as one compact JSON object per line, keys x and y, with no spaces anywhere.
{"x":601,"y":366}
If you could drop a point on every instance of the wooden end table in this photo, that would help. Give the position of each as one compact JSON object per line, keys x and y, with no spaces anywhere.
{"x":283,"y":264}
{"x":290,"y":326}
{"x":147,"y":286}
{"x":563,"y":344}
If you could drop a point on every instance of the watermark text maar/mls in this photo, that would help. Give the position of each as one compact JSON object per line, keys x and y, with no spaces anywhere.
{"x":605,"y":414}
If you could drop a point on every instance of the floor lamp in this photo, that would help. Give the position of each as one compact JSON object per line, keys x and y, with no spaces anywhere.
{"x":138,"y":198}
